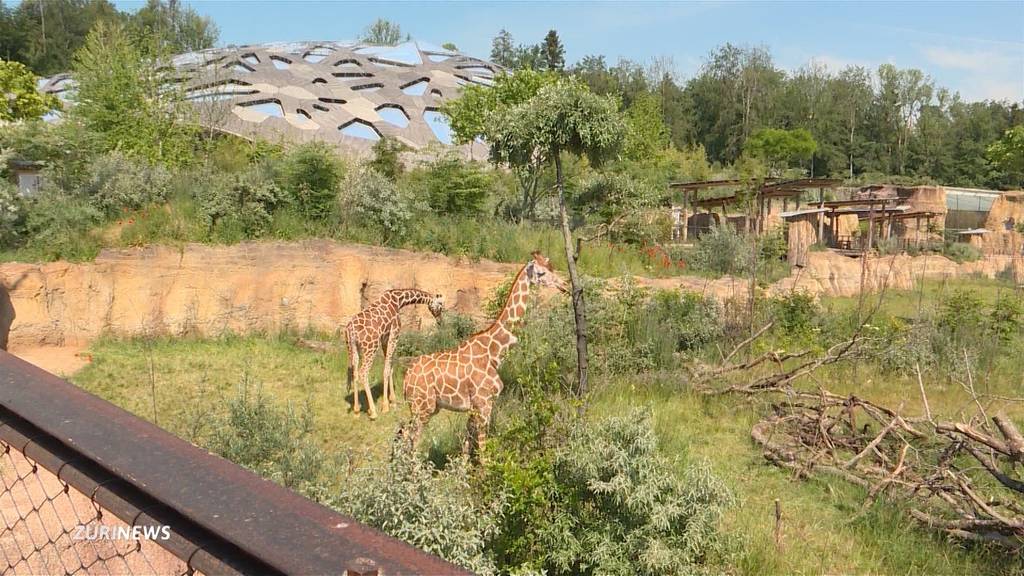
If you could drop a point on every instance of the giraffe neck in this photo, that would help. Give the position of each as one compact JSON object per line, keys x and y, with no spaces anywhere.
{"x":409,"y":296}
{"x":500,"y":332}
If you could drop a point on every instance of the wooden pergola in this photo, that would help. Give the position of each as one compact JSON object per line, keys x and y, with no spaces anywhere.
{"x":771,"y":189}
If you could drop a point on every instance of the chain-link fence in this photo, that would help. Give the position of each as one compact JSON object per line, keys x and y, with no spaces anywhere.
{"x":87,"y":488}
{"x":50,"y":527}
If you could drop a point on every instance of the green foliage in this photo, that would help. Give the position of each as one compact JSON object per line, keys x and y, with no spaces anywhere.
{"x":239,"y":207}
{"x":377,"y":201}
{"x":647,"y":133}
{"x":386,"y":157}
{"x":312,"y":174}
{"x":451,"y":329}
{"x":779,"y":147}
{"x":1006,"y":318}
{"x":176,"y":28}
{"x":273,"y":442}
{"x":123,"y":98}
{"x":433,"y":510}
{"x":961,"y":252}
{"x":61,"y":226}
{"x":12,"y":214}
{"x":722,"y":250}
{"x":383,"y":33}
{"x":796,"y":316}
{"x":562,"y":117}
{"x":116,"y":183}
{"x":454,"y":186}
{"x":1008,"y":151}
{"x":554,"y":52}
{"x":19,"y":99}
{"x":605,"y":501}
{"x":467,"y":115}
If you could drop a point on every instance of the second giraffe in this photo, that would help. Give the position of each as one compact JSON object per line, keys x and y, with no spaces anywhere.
{"x":466,"y":378}
{"x":377,"y":326}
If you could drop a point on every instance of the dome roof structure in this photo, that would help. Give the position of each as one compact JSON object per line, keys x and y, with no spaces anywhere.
{"x":346,"y":94}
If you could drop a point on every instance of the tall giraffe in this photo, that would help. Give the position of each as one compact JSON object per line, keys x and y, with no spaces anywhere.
{"x":377,"y":326}
{"x":466,"y":378}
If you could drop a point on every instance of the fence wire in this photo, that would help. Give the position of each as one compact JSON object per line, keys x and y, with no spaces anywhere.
{"x":49,"y":527}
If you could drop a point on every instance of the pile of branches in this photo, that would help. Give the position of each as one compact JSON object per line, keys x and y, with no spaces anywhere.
{"x":963,"y":478}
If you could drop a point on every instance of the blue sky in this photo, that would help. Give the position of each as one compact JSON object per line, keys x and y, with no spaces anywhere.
{"x":976,"y":48}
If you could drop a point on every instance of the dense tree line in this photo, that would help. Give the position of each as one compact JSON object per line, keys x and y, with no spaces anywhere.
{"x":45,"y":34}
{"x":867,"y":123}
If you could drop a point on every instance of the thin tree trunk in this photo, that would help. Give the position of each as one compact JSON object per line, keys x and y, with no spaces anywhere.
{"x":579,"y":310}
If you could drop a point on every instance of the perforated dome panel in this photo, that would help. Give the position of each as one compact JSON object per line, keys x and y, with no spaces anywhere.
{"x":347,"y":94}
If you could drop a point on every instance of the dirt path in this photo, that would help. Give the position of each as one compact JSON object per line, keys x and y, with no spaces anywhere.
{"x":63,"y":361}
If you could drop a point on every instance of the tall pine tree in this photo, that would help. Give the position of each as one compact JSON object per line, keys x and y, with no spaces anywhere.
{"x":554,"y":52}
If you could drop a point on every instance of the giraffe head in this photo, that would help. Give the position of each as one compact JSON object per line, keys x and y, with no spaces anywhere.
{"x":539,"y":272}
{"x":436,"y":305}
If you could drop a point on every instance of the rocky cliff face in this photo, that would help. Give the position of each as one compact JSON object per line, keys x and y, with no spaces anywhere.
{"x":319,"y":285}
{"x":213,"y":289}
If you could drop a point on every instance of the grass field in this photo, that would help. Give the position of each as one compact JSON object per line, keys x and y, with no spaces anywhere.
{"x":822,"y":529}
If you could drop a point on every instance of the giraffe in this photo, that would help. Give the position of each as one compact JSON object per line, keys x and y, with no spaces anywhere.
{"x":465,"y":378}
{"x":377,"y":326}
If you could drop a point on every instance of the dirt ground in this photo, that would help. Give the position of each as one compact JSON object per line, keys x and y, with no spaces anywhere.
{"x":63,"y":361}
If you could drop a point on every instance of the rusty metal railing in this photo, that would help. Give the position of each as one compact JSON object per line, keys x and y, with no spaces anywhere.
{"x":76,"y":470}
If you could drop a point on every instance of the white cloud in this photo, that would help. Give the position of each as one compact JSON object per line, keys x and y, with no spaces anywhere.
{"x":994,"y":72}
{"x":972,"y":60}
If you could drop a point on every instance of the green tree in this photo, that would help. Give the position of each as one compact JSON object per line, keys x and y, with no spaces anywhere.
{"x":453,"y":186}
{"x":468,"y":118}
{"x":123,"y":97}
{"x":554,"y":52}
{"x":503,"y":52}
{"x":778,"y":147}
{"x":19,"y":99}
{"x":450,"y":46}
{"x":647,"y":134}
{"x":563,"y":117}
{"x":1008,"y":152}
{"x":177,"y":28}
{"x":383,"y":33}
{"x":45,"y":34}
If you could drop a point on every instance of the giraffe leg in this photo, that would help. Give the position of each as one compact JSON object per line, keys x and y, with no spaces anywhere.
{"x":353,"y":370}
{"x":364,"y":377}
{"x":476,"y":428}
{"x":391,"y":339}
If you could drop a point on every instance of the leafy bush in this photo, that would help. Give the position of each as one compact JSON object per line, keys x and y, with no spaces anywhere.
{"x":795,"y":314}
{"x":273,"y":442}
{"x":1006,"y":318}
{"x":116,"y":183}
{"x":59,"y":225}
{"x":605,"y":501}
{"x":434,"y":510}
{"x":960,"y":316}
{"x":961,"y":252}
{"x":451,"y":329}
{"x":12,"y":214}
{"x":241,"y":203}
{"x":377,"y":200}
{"x":454,"y":186}
{"x":722,"y":251}
{"x":312,"y":174}
{"x":387,"y":158}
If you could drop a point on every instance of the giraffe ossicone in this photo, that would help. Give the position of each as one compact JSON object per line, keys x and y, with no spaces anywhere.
{"x":374,"y":328}
{"x":465,"y":378}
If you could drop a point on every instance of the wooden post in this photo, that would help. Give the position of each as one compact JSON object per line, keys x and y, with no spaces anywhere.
{"x":778,"y":525}
{"x":686,"y":216}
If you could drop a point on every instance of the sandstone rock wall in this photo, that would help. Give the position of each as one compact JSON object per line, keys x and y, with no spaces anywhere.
{"x":212,"y":289}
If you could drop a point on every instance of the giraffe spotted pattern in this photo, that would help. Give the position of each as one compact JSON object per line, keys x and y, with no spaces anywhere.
{"x":466,"y":378}
{"x":377,"y":327}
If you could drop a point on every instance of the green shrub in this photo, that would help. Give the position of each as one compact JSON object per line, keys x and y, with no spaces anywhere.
{"x":60,"y":226}
{"x":1006,"y":318}
{"x":454,"y":186}
{"x":312,"y":174}
{"x":374,"y":199}
{"x":796,"y":315}
{"x":276,"y":443}
{"x":722,"y":251}
{"x":387,"y":158}
{"x":434,"y":510}
{"x":12,"y":214}
{"x":116,"y":183}
{"x":239,"y":207}
{"x":451,"y":329}
{"x":606,"y":501}
{"x":687,"y":319}
{"x":961,"y":252}
{"x":960,"y":316}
